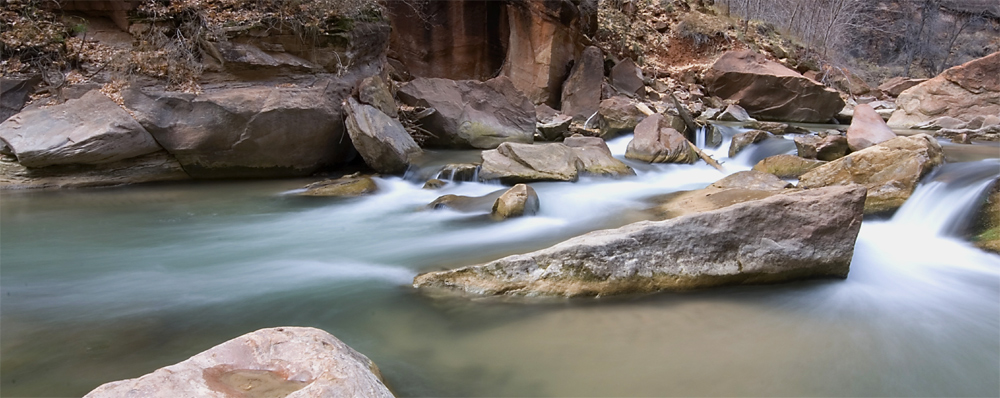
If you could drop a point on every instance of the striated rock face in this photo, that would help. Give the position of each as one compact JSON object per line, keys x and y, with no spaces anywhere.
{"x":786,"y":166}
{"x":867,"y":129}
{"x":513,"y":163}
{"x":381,"y":140}
{"x":521,"y":200}
{"x":770,"y":91}
{"x":89,"y":130}
{"x":964,"y":92}
{"x":656,"y":142}
{"x":471,"y":114}
{"x":296,"y":362}
{"x":805,"y":234}
{"x":890,"y":170}
{"x":257,"y":131}
{"x":581,"y":93}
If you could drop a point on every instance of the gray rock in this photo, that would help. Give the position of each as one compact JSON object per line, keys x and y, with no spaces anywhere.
{"x":656,"y":142}
{"x":249,"y":131}
{"x":89,"y":130}
{"x":470,"y":113}
{"x":513,"y":163}
{"x":14,"y":93}
{"x":521,"y":200}
{"x":374,"y":91}
{"x":381,"y":140}
{"x":807,"y":234}
{"x":467,"y":204}
{"x":347,"y":186}
{"x":581,"y":94}
{"x":551,"y":124}
{"x":734,"y":113}
{"x":596,"y":157}
{"x":830,"y":147}
{"x":618,"y":115}
{"x":627,"y":78}
{"x":294,"y":362}
{"x":155,"y":167}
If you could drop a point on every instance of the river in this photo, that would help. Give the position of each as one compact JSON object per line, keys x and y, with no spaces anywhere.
{"x":106,"y":284}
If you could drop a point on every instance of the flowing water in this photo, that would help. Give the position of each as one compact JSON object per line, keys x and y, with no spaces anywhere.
{"x":101,"y":285}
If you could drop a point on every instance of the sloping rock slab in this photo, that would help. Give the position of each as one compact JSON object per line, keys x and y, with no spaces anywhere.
{"x":514,"y":163}
{"x":89,"y":130}
{"x":770,"y":91}
{"x":470,"y":113}
{"x":293,"y":362}
{"x":890,"y":170}
{"x":963,"y":92}
{"x":154,"y":167}
{"x":807,"y":234}
{"x":381,"y":140}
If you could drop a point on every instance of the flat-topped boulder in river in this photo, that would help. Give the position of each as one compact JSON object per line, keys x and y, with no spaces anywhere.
{"x":294,"y":362}
{"x":513,"y":163}
{"x":770,"y":91}
{"x":807,"y":234}
{"x":890,"y":170}
{"x":470,"y":113}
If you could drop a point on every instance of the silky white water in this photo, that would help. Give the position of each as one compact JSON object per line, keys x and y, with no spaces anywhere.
{"x":101,"y":285}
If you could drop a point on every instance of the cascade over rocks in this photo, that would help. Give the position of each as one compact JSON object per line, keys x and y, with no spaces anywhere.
{"x":581,"y":93}
{"x":256,"y":131}
{"x":770,"y":91}
{"x":890,"y":170}
{"x":89,"y":130}
{"x":867,"y":129}
{"x":521,"y":200}
{"x":381,"y":140}
{"x":656,"y":142}
{"x":296,"y":362}
{"x":745,"y":139}
{"x":471,"y":114}
{"x":964,"y":92}
{"x":807,"y":234}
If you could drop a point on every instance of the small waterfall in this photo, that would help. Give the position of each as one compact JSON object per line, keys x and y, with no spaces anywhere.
{"x":699,"y":137}
{"x":946,"y":201}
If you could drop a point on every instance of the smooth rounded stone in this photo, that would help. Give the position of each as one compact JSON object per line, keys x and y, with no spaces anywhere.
{"x":467,"y":204}
{"x":513,"y":163}
{"x":830,"y":147}
{"x":786,"y":166}
{"x":963,"y":92}
{"x":434,"y":183}
{"x":618,"y":114}
{"x":745,"y":139}
{"x":374,"y":91}
{"x":520,"y":200}
{"x":867,"y":129}
{"x":799,"y":235}
{"x":470,"y":113}
{"x":381,"y":140}
{"x":347,"y":186}
{"x":596,"y":157}
{"x":734,"y":113}
{"x":770,"y":91}
{"x":581,"y":93}
{"x":627,"y":78}
{"x":655,"y":142}
{"x":890,"y":170}
{"x":550,"y":124}
{"x":293,"y":362}
{"x":752,"y":179}
{"x":90,"y":130}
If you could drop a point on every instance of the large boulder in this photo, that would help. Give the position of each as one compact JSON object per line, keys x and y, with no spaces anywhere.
{"x":964,"y":92}
{"x":381,"y":140}
{"x":596,"y":158}
{"x":513,"y":163}
{"x":581,"y":93}
{"x":890,"y":170}
{"x":618,"y":115}
{"x":520,"y":200}
{"x":551,"y":125}
{"x":626,"y":77}
{"x":89,"y":130}
{"x":770,"y":91}
{"x":867,"y":129}
{"x":656,"y":142}
{"x":247,"y":131}
{"x":807,"y":234}
{"x":470,"y":113}
{"x":294,"y":362}
{"x":830,"y":147}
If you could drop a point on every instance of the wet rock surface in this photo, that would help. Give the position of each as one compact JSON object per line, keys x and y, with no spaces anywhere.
{"x":381,"y":140}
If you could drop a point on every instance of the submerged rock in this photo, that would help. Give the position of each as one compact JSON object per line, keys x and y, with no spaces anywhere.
{"x":807,"y":234}
{"x":346,"y":186}
{"x":890,"y":170}
{"x":466,"y":204}
{"x":521,"y":200}
{"x":277,"y":362}
{"x":89,"y":130}
{"x":787,"y":166}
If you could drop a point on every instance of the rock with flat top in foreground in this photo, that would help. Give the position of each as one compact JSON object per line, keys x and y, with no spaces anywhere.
{"x":800,"y":235}
{"x":292,"y":362}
